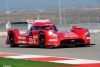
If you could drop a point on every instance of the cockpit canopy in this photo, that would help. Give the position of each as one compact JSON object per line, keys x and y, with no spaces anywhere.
{"x":43,"y":28}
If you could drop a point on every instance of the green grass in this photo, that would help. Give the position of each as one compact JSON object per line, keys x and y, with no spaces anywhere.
{"x":8,"y":62}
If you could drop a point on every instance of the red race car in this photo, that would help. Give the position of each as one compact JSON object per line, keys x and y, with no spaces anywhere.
{"x":45,"y":34}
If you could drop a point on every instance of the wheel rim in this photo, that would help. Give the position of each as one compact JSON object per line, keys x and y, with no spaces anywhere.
{"x":11,"y":40}
{"x":42,"y":40}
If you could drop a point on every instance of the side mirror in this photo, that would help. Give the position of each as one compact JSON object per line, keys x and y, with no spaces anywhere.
{"x":74,"y":27}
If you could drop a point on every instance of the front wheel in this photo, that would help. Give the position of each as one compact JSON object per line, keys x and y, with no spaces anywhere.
{"x":42,"y":40}
{"x":11,"y":40}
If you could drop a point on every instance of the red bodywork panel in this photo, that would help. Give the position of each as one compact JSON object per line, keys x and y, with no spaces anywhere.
{"x":78,"y":35}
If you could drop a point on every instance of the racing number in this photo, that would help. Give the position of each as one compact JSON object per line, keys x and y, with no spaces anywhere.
{"x":31,"y":40}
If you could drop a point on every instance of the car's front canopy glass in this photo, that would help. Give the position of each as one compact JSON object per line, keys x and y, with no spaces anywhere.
{"x":42,"y":28}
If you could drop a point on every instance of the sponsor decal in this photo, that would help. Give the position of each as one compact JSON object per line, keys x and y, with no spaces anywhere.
{"x":88,"y":38}
{"x":21,"y":38}
{"x":70,"y":34}
{"x":30,"y":36}
{"x":34,"y":36}
{"x":30,"y":21}
{"x":52,"y":39}
{"x":21,"y":41}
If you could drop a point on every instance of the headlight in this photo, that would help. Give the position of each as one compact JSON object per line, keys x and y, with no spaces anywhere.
{"x":52,"y":34}
{"x":87,"y":33}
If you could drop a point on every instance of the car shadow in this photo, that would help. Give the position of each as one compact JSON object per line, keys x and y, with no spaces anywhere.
{"x":61,"y":47}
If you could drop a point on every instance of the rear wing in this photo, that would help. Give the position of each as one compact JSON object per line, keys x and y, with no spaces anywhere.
{"x":28,"y":22}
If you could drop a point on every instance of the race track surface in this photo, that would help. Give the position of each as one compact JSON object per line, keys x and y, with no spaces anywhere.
{"x":92,"y":52}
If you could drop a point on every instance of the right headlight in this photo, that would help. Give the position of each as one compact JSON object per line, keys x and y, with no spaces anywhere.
{"x":87,"y":33}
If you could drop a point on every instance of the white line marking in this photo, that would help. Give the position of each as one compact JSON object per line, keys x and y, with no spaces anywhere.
{"x":77,"y":61}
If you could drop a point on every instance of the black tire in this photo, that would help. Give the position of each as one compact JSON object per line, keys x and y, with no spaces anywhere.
{"x":11,"y":40}
{"x":50,"y":47}
{"x":42,"y":40}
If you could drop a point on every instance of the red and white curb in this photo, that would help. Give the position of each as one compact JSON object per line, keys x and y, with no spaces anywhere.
{"x":49,"y":58}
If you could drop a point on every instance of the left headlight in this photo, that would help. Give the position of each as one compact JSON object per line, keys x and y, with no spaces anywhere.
{"x":52,"y":34}
{"x":87,"y":33}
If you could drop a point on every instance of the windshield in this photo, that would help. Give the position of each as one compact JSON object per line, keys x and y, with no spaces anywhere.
{"x":42,"y":27}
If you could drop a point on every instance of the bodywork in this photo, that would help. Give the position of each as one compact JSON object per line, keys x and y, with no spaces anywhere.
{"x":53,"y":37}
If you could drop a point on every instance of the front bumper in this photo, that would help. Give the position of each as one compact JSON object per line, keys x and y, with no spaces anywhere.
{"x":76,"y":44}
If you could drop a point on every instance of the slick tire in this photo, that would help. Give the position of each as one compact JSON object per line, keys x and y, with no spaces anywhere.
{"x":42,"y":40}
{"x":11,"y":40}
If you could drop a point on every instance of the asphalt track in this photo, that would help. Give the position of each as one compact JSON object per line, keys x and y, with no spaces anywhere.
{"x":92,"y":52}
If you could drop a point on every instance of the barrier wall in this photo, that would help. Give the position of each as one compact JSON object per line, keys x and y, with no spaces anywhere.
{"x":4,"y":34}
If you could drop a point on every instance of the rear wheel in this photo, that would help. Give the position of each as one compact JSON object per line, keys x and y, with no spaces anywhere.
{"x":42,"y":40}
{"x":11,"y":40}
